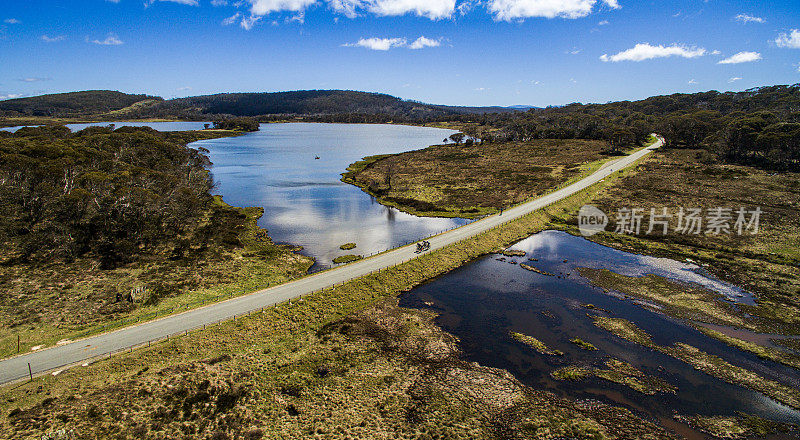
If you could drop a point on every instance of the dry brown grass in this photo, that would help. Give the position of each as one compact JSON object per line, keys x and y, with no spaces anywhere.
{"x":472,"y":180}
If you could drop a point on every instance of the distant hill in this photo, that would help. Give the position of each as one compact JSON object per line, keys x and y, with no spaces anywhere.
{"x":310,"y":102}
{"x":108,"y":104}
{"x":74,"y":104}
{"x":303,"y":102}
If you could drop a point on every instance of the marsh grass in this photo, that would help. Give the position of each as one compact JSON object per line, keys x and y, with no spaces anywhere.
{"x":616,"y":371}
{"x":535,"y":344}
{"x":344,"y":259}
{"x":702,"y":361}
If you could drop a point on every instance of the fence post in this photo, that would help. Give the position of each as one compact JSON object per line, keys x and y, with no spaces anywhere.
{"x":30,"y":372}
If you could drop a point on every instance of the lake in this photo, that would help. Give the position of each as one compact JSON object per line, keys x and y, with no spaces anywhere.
{"x":304,"y":200}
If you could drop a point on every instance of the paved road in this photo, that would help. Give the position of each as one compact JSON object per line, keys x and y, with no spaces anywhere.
{"x":79,"y":351}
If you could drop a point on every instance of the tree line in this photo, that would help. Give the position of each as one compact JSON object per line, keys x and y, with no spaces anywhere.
{"x":758,"y":127}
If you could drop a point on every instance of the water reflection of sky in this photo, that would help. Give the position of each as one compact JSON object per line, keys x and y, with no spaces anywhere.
{"x":304,"y":200}
{"x":482,"y":301}
{"x":584,"y":253}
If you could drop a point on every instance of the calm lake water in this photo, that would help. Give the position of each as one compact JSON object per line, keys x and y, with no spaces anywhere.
{"x":482,"y":301}
{"x":304,"y":201}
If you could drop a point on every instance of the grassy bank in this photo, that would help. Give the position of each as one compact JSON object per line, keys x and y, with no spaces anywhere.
{"x":65,"y":301}
{"x":473,"y":180}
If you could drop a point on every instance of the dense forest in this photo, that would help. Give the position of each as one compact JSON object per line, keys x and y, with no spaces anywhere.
{"x":758,"y":127}
{"x":114,"y":195}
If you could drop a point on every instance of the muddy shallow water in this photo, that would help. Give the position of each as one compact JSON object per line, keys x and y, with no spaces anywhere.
{"x":483,"y":301}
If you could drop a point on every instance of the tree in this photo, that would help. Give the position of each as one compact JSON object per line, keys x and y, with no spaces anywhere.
{"x":240,"y":124}
{"x":457,"y":137}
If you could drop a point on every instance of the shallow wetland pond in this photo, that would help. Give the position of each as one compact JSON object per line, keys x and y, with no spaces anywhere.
{"x":483,"y":302}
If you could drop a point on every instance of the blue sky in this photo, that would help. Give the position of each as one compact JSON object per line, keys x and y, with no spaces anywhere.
{"x":458,"y":52}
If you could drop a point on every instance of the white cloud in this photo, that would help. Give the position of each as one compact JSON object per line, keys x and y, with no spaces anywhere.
{"x":422,"y":42}
{"x":264,"y":7}
{"x":183,"y":2}
{"x":11,"y":96}
{"x":519,"y":9}
{"x":741,"y":57}
{"x":219,"y":2}
{"x":716,"y":52}
{"x":604,"y":23}
{"x":791,"y":40}
{"x":747,"y":18}
{"x":348,"y":8}
{"x":232,"y":19}
{"x":111,"y":40}
{"x":692,"y":81}
{"x":247,"y":23}
{"x":11,"y":21}
{"x":390,"y":43}
{"x":646,"y":51}
{"x":465,"y":7}
{"x":55,"y":39}
{"x":379,"y":43}
{"x":183,"y":89}
{"x":734,"y":79}
{"x":34,"y":79}
{"x":433,"y":9}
